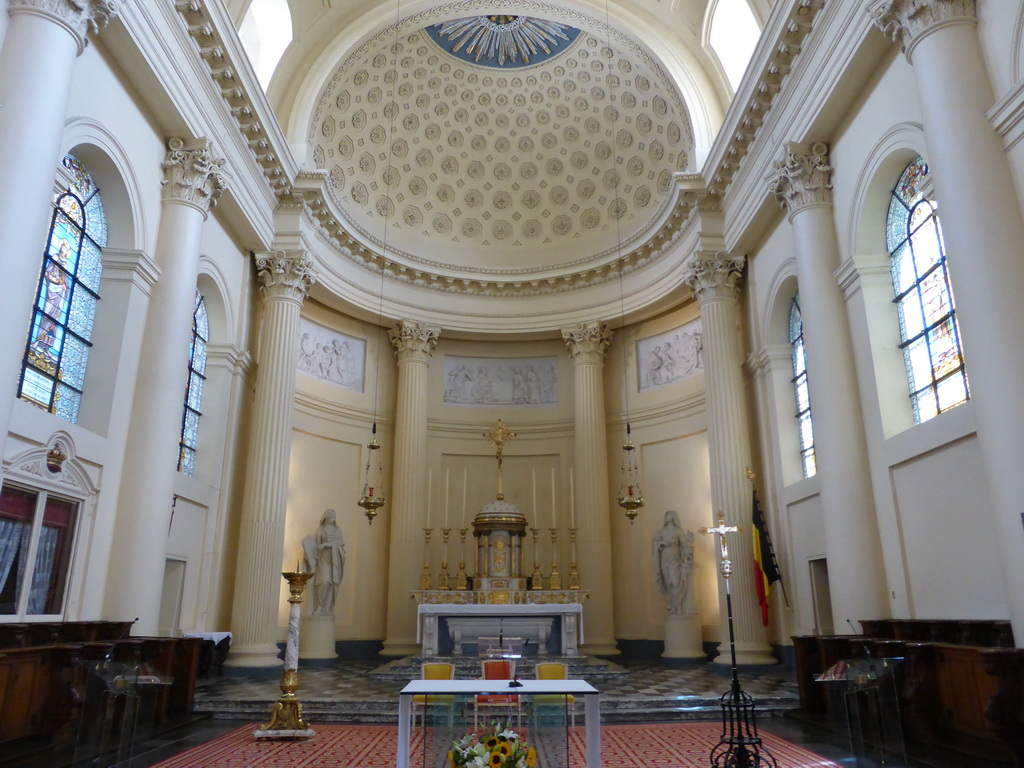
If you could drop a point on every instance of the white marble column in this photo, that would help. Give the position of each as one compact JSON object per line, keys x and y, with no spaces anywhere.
{"x":285,"y":278}
{"x":984,"y":237}
{"x":414,"y":344}
{"x":587,"y":343}
{"x":43,"y":39}
{"x":803,"y":185}
{"x":713,"y":278}
{"x":193,"y":179}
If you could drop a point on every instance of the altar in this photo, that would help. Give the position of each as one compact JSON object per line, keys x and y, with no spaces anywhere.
{"x":466,"y":623}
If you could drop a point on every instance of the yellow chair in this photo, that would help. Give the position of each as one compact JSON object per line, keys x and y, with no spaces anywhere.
{"x":433,"y":671}
{"x":497,"y":669}
{"x":554,"y":670}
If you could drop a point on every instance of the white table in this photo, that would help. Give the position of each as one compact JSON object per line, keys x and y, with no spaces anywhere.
{"x":570,"y":616}
{"x":591,"y":706}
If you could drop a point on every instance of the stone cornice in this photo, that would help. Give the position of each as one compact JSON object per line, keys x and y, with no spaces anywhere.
{"x":714,"y":276}
{"x":192,"y":174}
{"x":285,"y":275}
{"x":907,"y":21}
{"x":587,"y":342}
{"x":79,"y":17}
{"x":413,"y":341}
{"x":803,"y":177}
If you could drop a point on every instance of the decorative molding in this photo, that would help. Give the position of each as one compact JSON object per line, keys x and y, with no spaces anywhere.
{"x":80,"y":17}
{"x":587,"y":342}
{"x":803,"y":177}
{"x":413,"y":341}
{"x":192,"y":174}
{"x":907,"y":21}
{"x":713,"y":275}
{"x":285,"y":274}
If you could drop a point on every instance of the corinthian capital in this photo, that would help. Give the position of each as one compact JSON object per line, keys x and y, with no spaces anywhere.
{"x":714,"y":275}
{"x":413,"y":341}
{"x":285,"y":274}
{"x":803,"y":177}
{"x":587,"y":342}
{"x":79,"y":17}
{"x":192,"y":174}
{"x":907,"y":21}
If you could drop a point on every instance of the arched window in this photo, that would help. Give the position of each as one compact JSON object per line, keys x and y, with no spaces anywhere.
{"x":60,"y":335}
{"x":194,"y":389}
{"x":928,"y":326}
{"x":803,"y":398}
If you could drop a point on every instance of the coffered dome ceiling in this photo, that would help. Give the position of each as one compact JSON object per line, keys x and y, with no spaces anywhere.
{"x":469,"y":159}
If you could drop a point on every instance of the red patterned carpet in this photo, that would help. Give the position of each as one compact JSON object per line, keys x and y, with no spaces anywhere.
{"x":667,"y":745}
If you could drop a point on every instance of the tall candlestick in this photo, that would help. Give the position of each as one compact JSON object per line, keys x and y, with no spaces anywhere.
{"x":572,"y":501}
{"x":428,"y":497}
{"x":554,"y":515}
{"x":465,"y":473}
{"x":446,"y":497}
{"x":533,"y":475}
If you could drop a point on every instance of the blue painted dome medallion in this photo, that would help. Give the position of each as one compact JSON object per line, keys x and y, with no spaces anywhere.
{"x":502,"y":41}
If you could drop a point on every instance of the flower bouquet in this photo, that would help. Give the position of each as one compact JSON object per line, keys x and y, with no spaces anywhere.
{"x":503,"y":748}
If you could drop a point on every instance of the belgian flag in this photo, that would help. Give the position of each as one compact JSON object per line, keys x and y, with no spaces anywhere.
{"x":766,"y":569}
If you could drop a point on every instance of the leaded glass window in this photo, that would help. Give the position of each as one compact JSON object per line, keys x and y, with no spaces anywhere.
{"x":928,"y":325}
{"x":59,"y":339}
{"x":803,"y":398}
{"x":194,"y":388}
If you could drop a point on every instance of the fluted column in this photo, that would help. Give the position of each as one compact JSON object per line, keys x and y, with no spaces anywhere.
{"x":713,"y":278}
{"x":414,"y":344}
{"x":587,"y":343}
{"x":37,"y":59}
{"x":193,"y":179}
{"x":983,"y":234}
{"x":803,"y":185}
{"x":285,"y":278}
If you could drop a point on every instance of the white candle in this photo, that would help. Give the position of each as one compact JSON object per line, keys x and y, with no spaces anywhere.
{"x":554,"y":515}
{"x":533,"y":475}
{"x":428,"y":499}
{"x":465,"y":472}
{"x":572,"y":501}
{"x":446,"y":498}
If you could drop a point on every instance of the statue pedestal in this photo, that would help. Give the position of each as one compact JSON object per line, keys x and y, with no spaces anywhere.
{"x":316,"y":640}
{"x":683,"y":637}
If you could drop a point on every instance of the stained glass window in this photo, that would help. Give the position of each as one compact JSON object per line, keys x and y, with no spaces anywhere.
{"x":194,"y":388}
{"x":928,"y":326}
{"x":60,"y":336}
{"x":803,"y":398}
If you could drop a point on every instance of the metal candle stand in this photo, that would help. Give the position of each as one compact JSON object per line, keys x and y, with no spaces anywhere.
{"x":740,"y":745}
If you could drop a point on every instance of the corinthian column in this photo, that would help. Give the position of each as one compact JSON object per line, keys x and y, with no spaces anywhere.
{"x":803,"y":185}
{"x":285,"y":278}
{"x":983,"y":231}
{"x":713,"y":278}
{"x":37,"y":59}
{"x":413,"y":344}
{"x":193,"y":179}
{"x":587,"y":343}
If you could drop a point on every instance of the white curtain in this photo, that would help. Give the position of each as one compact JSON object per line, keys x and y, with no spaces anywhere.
{"x":43,"y":572}
{"x":11,"y":534}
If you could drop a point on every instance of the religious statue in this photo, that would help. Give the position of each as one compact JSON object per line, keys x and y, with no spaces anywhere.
{"x":325,"y":558}
{"x":672,"y":550}
{"x":499,"y":436}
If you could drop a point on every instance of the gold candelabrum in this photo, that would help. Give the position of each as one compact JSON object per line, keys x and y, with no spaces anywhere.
{"x":425,"y":580}
{"x":536,"y":578}
{"x":555,"y":579}
{"x":442,"y":578}
{"x":286,"y":714}
{"x":574,"y":574}
{"x":461,"y":580}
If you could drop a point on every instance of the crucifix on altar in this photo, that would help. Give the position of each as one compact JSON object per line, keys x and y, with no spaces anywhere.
{"x":739,"y":746}
{"x":499,"y":436}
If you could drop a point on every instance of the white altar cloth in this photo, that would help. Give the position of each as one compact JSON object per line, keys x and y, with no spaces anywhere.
{"x":569,"y":614}
{"x":591,"y":705}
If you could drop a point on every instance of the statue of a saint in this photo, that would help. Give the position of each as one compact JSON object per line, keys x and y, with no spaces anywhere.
{"x":672,"y":550}
{"x":325,"y":558}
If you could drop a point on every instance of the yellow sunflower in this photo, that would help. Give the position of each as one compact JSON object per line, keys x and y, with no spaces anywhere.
{"x":503,"y":749}
{"x":492,"y":742}
{"x":451,"y":760}
{"x":497,"y":759}
{"x":531,"y":757}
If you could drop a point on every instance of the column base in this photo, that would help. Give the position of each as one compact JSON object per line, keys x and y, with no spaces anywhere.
{"x":683,"y":637}
{"x":316,"y":638}
{"x":747,"y":654}
{"x":599,"y":649}
{"x":256,"y":655}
